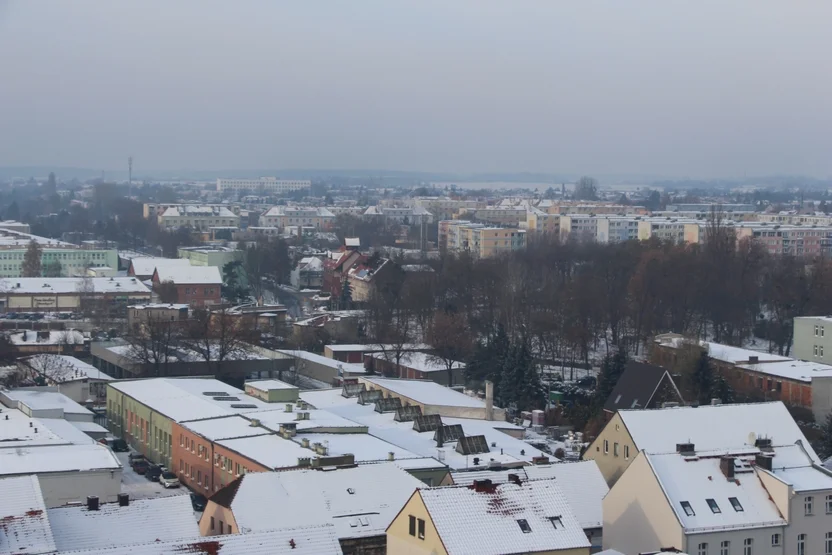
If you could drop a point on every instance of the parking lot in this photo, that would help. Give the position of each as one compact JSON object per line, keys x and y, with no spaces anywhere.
{"x":140,"y":487}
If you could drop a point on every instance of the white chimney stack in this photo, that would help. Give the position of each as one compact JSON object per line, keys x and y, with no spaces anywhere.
{"x":489,"y":400}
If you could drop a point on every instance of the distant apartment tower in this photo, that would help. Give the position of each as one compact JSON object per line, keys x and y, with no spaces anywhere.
{"x":266,"y":184}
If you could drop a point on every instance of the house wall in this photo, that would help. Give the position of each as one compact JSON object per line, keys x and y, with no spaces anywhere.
{"x":147,"y":431}
{"x":637,"y":517}
{"x":760,"y":536}
{"x":610,"y":465}
{"x":81,"y":390}
{"x":815,"y":526}
{"x":60,"y":488}
{"x":400,"y":541}
{"x":805,"y":339}
{"x":218,"y":514}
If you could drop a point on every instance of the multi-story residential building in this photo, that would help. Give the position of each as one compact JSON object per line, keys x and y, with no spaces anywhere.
{"x":810,"y":340}
{"x":476,"y":518}
{"x":12,"y":225}
{"x":795,"y":240}
{"x":542,"y":223}
{"x":616,"y":229}
{"x":198,"y":217}
{"x":500,"y":215}
{"x":709,"y":207}
{"x":405,"y":215}
{"x":302,"y":216}
{"x":156,"y":209}
{"x":580,"y":227}
{"x":793,"y":218}
{"x":665,"y":229}
{"x":308,"y":274}
{"x":444,"y":208}
{"x":210,"y":256}
{"x":264,"y":184}
{"x":567,"y":207}
{"x":762,"y":497}
{"x":713,"y":428}
{"x":479,"y":240}
{"x":74,"y":259}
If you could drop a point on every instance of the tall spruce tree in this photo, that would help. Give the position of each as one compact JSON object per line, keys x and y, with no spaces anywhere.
{"x":31,"y":260}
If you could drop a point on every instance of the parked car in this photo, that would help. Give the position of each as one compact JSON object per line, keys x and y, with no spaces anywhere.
{"x":169,"y":480}
{"x":153,"y":472}
{"x":36,"y":316}
{"x":64,"y":315}
{"x":119,"y":446}
{"x":133,"y":456}
{"x":11,"y":315}
{"x":140,"y":466}
{"x":198,"y":502}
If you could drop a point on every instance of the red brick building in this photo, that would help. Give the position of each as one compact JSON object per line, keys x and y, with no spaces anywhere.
{"x":195,"y":285}
{"x":204,"y":465}
{"x":336,"y":269}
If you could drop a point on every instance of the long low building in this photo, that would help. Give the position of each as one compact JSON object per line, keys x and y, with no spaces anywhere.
{"x":69,"y":294}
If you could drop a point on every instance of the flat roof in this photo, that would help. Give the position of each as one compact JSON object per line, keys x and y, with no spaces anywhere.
{"x":268,"y":385}
{"x":57,"y":458}
{"x":43,"y":399}
{"x":271,"y":451}
{"x":324,"y":361}
{"x":225,"y":427}
{"x":796,"y":370}
{"x":64,"y":368}
{"x":65,"y":285}
{"x":426,"y":392}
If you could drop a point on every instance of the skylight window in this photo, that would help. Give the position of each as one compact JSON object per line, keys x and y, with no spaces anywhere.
{"x":714,"y":507}
{"x":557,"y":522}
{"x":688,"y":509}
{"x":736,"y":504}
{"x":524,"y":525}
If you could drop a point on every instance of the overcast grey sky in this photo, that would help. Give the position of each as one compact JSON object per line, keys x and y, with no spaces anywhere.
{"x":706,"y":88}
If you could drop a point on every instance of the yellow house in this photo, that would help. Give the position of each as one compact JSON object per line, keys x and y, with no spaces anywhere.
{"x":487,"y":518}
{"x":711,"y":428}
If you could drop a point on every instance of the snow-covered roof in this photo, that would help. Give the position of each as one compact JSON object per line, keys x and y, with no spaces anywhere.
{"x":24,"y":524}
{"x":64,"y":368}
{"x":503,"y":448}
{"x":737,"y":355}
{"x":690,"y":483}
{"x":189,"y":275}
{"x":57,"y":458}
{"x":51,"y":337}
{"x":426,"y":392}
{"x":38,"y":399}
{"x":582,"y":484}
{"x":57,"y":285}
{"x":796,"y":370}
{"x":145,"y":266}
{"x":359,"y":501}
{"x":268,"y":385}
{"x":303,"y":540}
{"x":183,"y":399}
{"x":364,"y":447}
{"x":142,"y":521}
{"x":19,"y":430}
{"x":793,"y":466}
{"x":89,"y":427}
{"x":504,"y":518}
{"x":225,"y":427}
{"x":713,"y":429}
{"x":324,"y":361}
{"x":271,"y":451}
{"x":422,"y":362}
{"x":369,"y":348}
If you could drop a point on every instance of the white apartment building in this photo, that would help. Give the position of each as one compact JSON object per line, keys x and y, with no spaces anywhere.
{"x":810,"y":340}
{"x":302,"y":216}
{"x":581,"y":227}
{"x":406,"y":215}
{"x":616,"y":229}
{"x":198,"y":217}
{"x":74,"y":259}
{"x":266,"y":184}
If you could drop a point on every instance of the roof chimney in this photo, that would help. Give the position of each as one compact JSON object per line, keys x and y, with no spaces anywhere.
{"x":486,"y":486}
{"x":123,"y":499}
{"x":391,"y":456}
{"x":514,"y":479}
{"x":288,"y":407}
{"x":489,"y":400}
{"x":687,"y":449}
{"x":764,"y":461}
{"x":754,"y":359}
{"x":92,"y":502}
{"x":726,"y":465}
{"x":440,"y":436}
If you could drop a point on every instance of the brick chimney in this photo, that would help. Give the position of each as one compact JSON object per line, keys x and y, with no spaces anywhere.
{"x":726,"y":465}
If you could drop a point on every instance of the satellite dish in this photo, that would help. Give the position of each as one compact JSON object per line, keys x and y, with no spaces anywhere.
{"x":752,"y":438}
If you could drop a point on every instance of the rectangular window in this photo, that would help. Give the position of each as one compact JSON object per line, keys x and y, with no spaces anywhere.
{"x":702,"y":549}
{"x":606,"y":446}
{"x":829,"y":504}
{"x":688,"y":509}
{"x":421,"y":529}
{"x":815,"y":350}
{"x":212,"y":523}
{"x":736,"y":504}
{"x":615,"y":449}
{"x":828,"y":539}
{"x":221,"y":527}
{"x":808,"y":505}
{"x":412,"y":529}
{"x":725,"y":548}
{"x":524,"y":525}
{"x":820,"y":351}
{"x":775,"y":540}
{"x":714,"y":507}
{"x":801,"y":544}
{"x":748,"y":546}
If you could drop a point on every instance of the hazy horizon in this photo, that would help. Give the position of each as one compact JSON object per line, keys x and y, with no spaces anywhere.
{"x":659,"y":88}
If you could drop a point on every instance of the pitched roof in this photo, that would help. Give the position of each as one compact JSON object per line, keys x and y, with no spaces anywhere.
{"x":142,"y":521}
{"x":690,"y":485}
{"x":145,"y":266}
{"x":713,"y":429}
{"x":582,"y":484}
{"x":359,"y":501}
{"x":302,"y":540}
{"x":24,"y":523}
{"x":64,"y":368}
{"x":636,"y":387}
{"x":189,"y":275}
{"x":504,"y":518}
